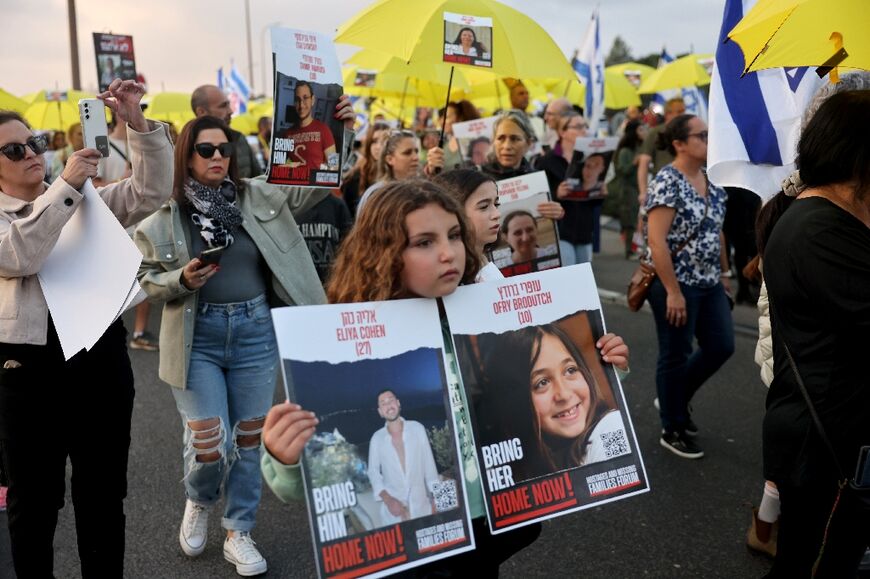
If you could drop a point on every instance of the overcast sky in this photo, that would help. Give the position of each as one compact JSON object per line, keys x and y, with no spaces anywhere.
{"x":180,"y":44}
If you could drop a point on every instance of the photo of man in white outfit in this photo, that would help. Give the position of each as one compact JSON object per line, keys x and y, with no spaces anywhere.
{"x":401,"y":465}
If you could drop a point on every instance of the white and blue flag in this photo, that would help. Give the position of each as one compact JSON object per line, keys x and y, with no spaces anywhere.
{"x":754,"y":119}
{"x":589,"y":66}
{"x":238,"y":86}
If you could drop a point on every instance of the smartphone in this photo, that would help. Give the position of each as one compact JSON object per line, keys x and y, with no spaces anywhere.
{"x":211,"y":256}
{"x":862,"y":471}
{"x":92,"y":113}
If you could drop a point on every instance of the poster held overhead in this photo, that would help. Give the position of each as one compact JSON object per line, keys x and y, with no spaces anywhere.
{"x":307,"y":140}
{"x":372,"y":371}
{"x":115,"y":58}
{"x":528,"y":241}
{"x":468,"y":39}
{"x":551,"y":425}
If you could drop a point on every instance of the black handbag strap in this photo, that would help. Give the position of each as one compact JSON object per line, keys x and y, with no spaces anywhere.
{"x":695,"y":233}
{"x":812,"y":408}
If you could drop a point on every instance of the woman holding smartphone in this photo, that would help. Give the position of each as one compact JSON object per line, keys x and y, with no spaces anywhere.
{"x":217,"y":342}
{"x":51,"y":408}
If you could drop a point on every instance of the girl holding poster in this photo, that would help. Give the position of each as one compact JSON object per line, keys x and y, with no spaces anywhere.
{"x":478,"y":196}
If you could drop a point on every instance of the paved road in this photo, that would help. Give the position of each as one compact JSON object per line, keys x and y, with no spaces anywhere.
{"x":691,"y":524}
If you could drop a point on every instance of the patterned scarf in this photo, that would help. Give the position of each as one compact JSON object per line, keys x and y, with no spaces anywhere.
{"x":214,"y":211}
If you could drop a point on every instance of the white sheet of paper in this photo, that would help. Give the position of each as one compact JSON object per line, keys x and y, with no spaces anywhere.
{"x":88,"y":278}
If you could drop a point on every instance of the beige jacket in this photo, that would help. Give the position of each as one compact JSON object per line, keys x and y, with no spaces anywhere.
{"x":28,"y":231}
{"x":164,"y":242}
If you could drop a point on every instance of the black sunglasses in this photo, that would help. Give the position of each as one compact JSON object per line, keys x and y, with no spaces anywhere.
{"x":206,"y":150}
{"x":17,"y":151}
{"x":702,"y":135}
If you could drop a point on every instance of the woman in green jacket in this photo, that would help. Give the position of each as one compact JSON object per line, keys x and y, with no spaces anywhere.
{"x":219,"y":254}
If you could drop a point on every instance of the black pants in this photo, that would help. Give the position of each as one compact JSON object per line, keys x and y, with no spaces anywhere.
{"x":741,"y":209}
{"x":50,"y":410}
{"x":804,"y":515}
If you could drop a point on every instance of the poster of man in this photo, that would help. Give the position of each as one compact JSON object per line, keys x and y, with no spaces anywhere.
{"x":382,"y":464}
{"x":527,"y":241}
{"x":551,"y":426}
{"x":115,"y":58}
{"x":473,"y":138}
{"x":307,"y":141}
{"x":468,"y":39}
{"x":588,"y":168}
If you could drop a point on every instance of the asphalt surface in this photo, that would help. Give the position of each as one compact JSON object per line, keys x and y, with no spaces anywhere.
{"x":692,"y":523}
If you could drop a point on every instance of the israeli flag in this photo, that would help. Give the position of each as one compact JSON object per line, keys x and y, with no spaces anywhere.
{"x":754,"y":119}
{"x":221,"y":80}
{"x":693,"y":96}
{"x":238,"y":87}
{"x":589,"y":66}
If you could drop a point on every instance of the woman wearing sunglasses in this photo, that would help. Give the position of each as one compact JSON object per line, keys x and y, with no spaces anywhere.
{"x":51,"y":409}
{"x":219,"y":254}
{"x":684,"y":233}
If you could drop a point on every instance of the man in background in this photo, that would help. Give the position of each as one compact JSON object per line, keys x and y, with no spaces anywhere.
{"x":209,"y":100}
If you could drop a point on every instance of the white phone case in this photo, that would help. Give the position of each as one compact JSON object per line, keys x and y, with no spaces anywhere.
{"x":94,"y":130}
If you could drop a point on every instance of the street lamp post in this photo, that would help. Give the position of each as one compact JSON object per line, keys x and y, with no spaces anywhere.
{"x":250,"y":53}
{"x":73,"y":44}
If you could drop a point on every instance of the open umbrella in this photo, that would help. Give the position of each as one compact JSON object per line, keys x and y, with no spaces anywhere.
{"x":169,"y":107}
{"x":10,"y":102}
{"x":415,"y":32}
{"x":683,"y":72}
{"x":787,"y":33}
{"x":54,"y":110}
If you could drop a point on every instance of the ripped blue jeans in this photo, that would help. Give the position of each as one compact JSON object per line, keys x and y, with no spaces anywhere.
{"x":230,"y":385}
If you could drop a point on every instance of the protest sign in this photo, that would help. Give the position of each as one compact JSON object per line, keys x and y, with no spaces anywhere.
{"x":468,"y":39}
{"x":368,"y":370}
{"x":528,"y":241}
{"x":365,"y":78}
{"x":307,"y":141}
{"x":551,"y":424}
{"x":588,"y":167}
{"x":115,"y":58}
{"x":475,"y":139}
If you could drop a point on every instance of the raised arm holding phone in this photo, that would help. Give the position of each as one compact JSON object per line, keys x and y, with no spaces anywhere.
{"x":51,"y":409}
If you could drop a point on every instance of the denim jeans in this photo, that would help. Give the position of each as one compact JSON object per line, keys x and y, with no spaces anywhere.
{"x":233,"y":367}
{"x":680,"y":372}
{"x":574,"y":253}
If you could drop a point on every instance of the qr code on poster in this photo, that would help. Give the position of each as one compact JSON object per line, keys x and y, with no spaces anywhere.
{"x":444,"y":493}
{"x":614,"y":443}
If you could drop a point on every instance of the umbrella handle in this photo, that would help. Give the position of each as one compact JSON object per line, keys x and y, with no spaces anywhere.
{"x":444,"y":123}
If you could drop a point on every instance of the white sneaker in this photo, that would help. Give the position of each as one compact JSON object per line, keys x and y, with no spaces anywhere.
{"x":241,"y":551}
{"x":194,"y":529}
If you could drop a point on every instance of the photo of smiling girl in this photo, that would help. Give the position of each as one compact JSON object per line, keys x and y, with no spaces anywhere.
{"x":538,"y":387}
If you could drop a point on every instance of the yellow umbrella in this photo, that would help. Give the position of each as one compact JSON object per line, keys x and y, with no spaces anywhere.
{"x":169,"y":107}
{"x":10,"y":102}
{"x":683,"y":72}
{"x":415,"y":32}
{"x":246,"y":123}
{"x":53,"y":110}
{"x":786,"y":33}
{"x":383,"y":85}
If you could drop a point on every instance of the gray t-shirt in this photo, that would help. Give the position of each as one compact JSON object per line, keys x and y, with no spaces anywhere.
{"x":243,"y":272}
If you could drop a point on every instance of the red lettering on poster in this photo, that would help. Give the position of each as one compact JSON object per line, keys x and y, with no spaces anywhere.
{"x":341,"y":555}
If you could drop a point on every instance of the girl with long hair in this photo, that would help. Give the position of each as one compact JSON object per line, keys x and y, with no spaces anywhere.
{"x":400,"y":160}
{"x":413,"y":240}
